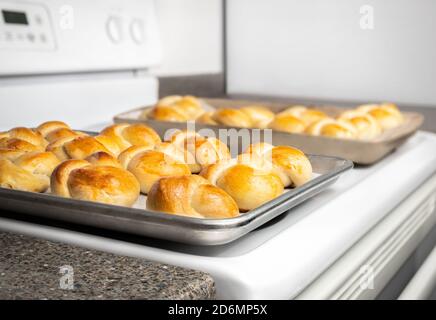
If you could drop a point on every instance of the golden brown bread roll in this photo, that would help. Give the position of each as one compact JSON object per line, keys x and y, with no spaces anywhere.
{"x":165,"y":113}
{"x":287,"y":123}
{"x":27,"y":135}
{"x":175,"y":109}
{"x":290,"y":164}
{"x":260,"y":116}
{"x":248,"y":179}
{"x":45,"y":128}
{"x":148,"y":166}
{"x":55,"y":130}
{"x":76,"y":147}
{"x":12,"y":148}
{"x":62,"y":133}
{"x":179,"y":154}
{"x":198,"y":151}
{"x":189,"y":105}
{"x":206,"y":118}
{"x":366,"y":126}
{"x":29,"y":172}
{"x":191,"y":196}
{"x":79,"y":179}
{"x":127,"y":135}
{"x":103,"y":159}
{"x":48,"y":127}
{"x":386,"y":114}
{"x":332,"y":128}
{"x":232,"y":118}
{"x":109,"y":143}
{"x":307,"y":115}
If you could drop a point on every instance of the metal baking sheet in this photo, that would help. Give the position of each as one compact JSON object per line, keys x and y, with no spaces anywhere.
{"x":168,"y":226}
{"x":360,"y":152}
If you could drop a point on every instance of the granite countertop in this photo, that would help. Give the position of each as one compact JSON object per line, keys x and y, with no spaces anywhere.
{"x":30,"y":268}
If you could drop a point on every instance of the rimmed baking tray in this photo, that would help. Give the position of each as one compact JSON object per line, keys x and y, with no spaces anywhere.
{"x":167,"y":226}
{"x":360,"y":152}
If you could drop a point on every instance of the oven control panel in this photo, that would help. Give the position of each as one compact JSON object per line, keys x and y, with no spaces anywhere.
{"x":25,"y":26}
{"x":55,"y":36}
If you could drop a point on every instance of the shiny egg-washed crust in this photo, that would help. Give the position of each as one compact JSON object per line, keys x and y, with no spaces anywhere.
{"x":29,"y":172}
{"x":179,"y":154}
{"x":55,"y":130}
{"x":290,"y":164}
{"x":248,"y":179}
{"x":47,"y":127}
{"x":330,"y":127}
{"x":206,"y":118}
{"x":191,"y":196}
{"x":232,"y":118}
{"x":306,"y":115}
{"x":386,"y":114}
{"x":18,"y":145}
{"x":127,"y":135}
{"x":189,"y":105}
{"x":76,"y":147}
{"x":175,"y":109}
{"x":82,"y":180}
{"x":103,"y":159}
{"x":62,"y":133}
{"x":165,"y":113}
{"x":26,"y":134}
{"x":366,"y":126}
{"x":12,"y":148}
{"x":148,"y":166}
{"x":198,"y":151}
{"x":260,"y":116}
{"x":287,"y":123}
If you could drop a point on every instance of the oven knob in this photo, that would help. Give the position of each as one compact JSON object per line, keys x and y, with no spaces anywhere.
{"x":137,"y":31}
{"x":114,"y":29}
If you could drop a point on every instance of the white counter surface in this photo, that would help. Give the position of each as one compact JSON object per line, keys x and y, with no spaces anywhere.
{"x":280,"y":260}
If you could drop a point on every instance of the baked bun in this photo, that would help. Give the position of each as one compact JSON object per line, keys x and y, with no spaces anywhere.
{"x":29,"y":172}
{"x":175,"y":109}
{"x":287,"y":123}
{"x":248,"y":179}
{"x":12,"y":148}
{"x":81,"y":180}
{"x":206,"y":118}
{"x":76,"y":147}
{"x":191,"y":196}
{"x":366,"y":126}
{"x":27,"y":135}
{"x":260,"y":116}
{"x":148,"y":166}
{"x":290,"y":164}
{"x":307,"y":115}
{"x":189,"y":105}
{"x":55,"y":130}
{"x":165,"y":113}
{"x":232,"y":118}
{"x":103,"y":159}
{"x":332,"y":128}
{"x":386,"y":114}
{"x":198,"y":151}
{"x":127,"y":135}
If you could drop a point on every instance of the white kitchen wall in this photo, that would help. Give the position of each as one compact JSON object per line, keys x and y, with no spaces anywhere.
{"x":191,"y":34}
{"x":318,"y":49}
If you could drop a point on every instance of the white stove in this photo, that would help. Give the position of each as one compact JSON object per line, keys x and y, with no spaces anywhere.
{"x":95,"y":63}
{"x":308,"y":252}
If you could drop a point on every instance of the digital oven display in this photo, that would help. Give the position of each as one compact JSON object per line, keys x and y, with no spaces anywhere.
{"x":14,"y":17}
